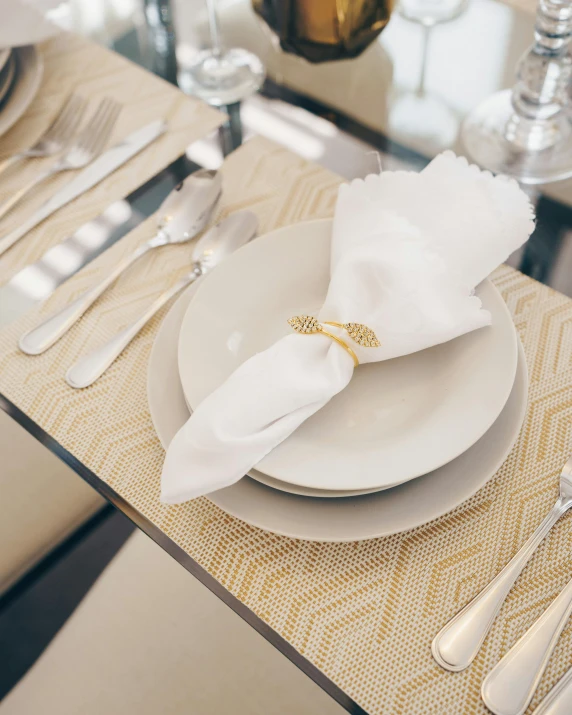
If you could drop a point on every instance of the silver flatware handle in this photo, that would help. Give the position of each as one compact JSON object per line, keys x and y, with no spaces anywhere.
{"x":457,"y":644}
{"x":43,"y":336}
{"x":11,"y":238}
{"x":17,"y":196}
{"x":11,"y":161}
{"x":91,"y":367}
{"x":95,"y":172}
{"x":559,"y":699}
{"x":510,"y":686}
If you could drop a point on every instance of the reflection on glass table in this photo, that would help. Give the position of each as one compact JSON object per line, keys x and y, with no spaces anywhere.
{"x":526,"y":132}
{"x":222,"y":76}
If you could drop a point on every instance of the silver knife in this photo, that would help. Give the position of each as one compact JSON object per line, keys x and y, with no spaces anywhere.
{"x":104,"y":165}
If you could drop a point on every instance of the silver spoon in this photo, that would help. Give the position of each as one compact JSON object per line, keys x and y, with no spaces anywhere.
{"x":511,"y":684}
{"x":457,"y":644}
{"x":215,"y":245}
{"x":183,"y":214}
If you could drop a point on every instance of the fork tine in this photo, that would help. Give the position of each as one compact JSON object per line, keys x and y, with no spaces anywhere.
{"x":106,"y":123}
{"x":91,"y":129}
{"x":106,"y":128}
{"x":67,"y":121}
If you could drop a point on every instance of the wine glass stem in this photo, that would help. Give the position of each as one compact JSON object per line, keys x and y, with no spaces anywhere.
{"x":214,"y":27}
{"x":543,"y":75}
{"x":426,"y":30}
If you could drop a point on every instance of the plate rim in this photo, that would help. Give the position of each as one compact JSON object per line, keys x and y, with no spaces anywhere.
{"x":31,"y":54}
{"x":479,"y":483}
{"x":270,"y":471}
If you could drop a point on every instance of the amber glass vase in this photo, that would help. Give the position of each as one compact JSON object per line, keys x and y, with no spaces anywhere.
{"x":325,"y":30}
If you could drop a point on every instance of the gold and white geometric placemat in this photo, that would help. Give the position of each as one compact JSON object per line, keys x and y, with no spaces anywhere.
{"x":75,"y":64}
{"x":364,"y":613}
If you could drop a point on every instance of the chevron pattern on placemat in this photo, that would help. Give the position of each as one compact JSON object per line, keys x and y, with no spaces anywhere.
{"x":365,"y":613}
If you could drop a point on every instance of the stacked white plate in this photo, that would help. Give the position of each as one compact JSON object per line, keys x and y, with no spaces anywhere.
{"x":407,"y":441}
{"x":21,"y":71}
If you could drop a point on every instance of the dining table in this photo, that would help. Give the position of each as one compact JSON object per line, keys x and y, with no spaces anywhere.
{"x":359,"y":617}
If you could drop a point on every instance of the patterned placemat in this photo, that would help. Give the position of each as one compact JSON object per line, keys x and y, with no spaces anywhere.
{"x":75,"y":64}
{"x":364,"y":613}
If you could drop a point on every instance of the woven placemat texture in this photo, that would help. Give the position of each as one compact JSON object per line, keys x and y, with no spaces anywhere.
{"x":365,"y":613}
{"x":75,"y":64}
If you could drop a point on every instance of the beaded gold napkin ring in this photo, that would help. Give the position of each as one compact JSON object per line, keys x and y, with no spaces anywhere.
{"x":361,"y":334}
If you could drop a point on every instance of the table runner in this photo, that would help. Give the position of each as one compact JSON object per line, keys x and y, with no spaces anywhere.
{"x":75,"y":64}
{"x":364,"y":613}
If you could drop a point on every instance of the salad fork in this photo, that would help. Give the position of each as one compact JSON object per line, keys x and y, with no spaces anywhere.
{"x":87,"y":146}
{"x":457,"y":644}
{"x":56,"y":136}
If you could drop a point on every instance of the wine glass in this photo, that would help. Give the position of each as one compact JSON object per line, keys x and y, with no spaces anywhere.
{"x":220,"y":76}
{"x":526,"y":132}
{"x":431,"y":12}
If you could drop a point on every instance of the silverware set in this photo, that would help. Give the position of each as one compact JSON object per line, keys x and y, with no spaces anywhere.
{"x":88,"y":144}
{"x":510,"y":686}
{"x":183,"y":215}
{"x":79,"y":150}
{"x":56,"y":136}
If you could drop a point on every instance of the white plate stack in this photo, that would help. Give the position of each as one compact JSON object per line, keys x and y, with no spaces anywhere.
{"x":23,"y":27}
{"x":407,"y":441}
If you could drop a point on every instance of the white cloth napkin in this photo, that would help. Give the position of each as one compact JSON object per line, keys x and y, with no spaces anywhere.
{"x":408,"y":249}
{"x":23,"y":23}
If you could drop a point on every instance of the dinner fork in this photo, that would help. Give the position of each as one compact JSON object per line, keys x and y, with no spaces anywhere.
{"x":457,"y":644}
{"x":57,"y":135}
{"x":87,"y":146}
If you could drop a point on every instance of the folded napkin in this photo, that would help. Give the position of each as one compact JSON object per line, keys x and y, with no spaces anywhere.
{"x":408,"y":250}
{"x":23,"y":23}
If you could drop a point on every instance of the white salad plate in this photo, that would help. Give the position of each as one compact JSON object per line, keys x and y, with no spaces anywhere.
{"x":29,"y":73}
{"x":350,"y":518}
{"x":396,"y":420}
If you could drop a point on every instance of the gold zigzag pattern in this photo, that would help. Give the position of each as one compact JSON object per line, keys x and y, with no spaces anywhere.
{"x":364,"y":613}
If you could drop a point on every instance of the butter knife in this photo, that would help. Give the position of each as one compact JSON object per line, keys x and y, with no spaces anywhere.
{"x":103,"y":166}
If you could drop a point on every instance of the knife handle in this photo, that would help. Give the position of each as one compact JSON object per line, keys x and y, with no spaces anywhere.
{"x":91,"y":367}
{"x":43,"y":336}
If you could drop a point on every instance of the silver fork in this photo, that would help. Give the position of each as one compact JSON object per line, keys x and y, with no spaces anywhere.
{"x":56,"y":136}
{"x":457,"y":644}
{"x":87,"y":146}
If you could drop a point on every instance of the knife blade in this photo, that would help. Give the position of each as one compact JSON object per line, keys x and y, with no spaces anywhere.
{"x":98,"y":170}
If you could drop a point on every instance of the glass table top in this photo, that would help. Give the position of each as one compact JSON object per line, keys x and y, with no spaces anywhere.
{"x":395,"y":106}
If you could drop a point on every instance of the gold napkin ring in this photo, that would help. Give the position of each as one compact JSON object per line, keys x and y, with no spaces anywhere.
{"x":361,"y":334}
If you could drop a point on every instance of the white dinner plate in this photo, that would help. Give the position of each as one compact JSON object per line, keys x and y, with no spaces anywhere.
{"x":29,"y":72}
{"x":347,"y":519}
{"x":7,"y":74}
{"x":295,"y":489}
{"x":4,"y":57}
{"x":396,"y":420}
